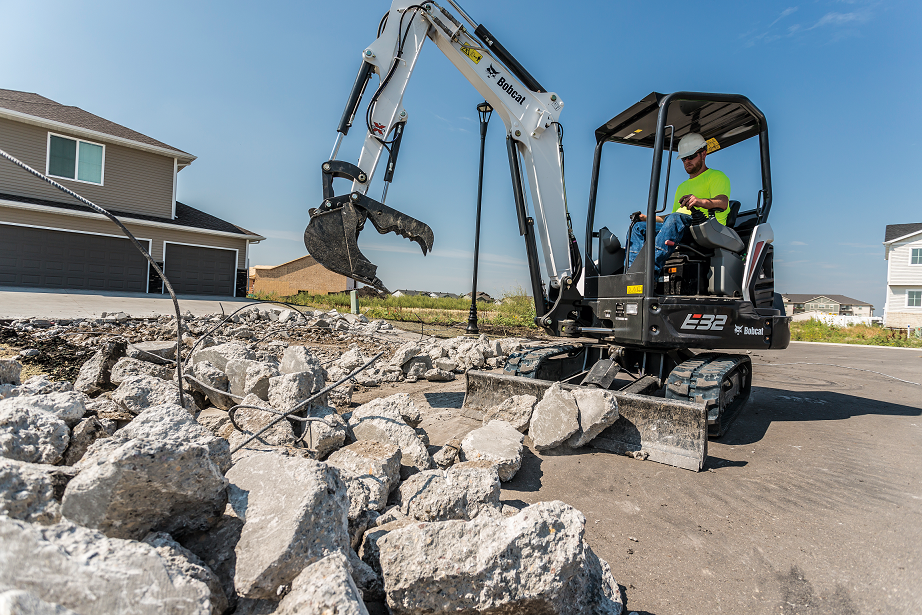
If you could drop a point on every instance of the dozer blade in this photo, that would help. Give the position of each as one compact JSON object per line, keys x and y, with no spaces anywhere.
{"x":331,"y":237}
{"x":669,"y":431}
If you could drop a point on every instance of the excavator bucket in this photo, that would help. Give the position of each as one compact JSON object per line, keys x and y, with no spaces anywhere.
{"x":331,"y":237}
{"x":668,"y":431}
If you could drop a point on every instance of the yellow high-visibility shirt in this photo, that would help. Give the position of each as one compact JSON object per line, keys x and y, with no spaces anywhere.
{"x":710,"y":184}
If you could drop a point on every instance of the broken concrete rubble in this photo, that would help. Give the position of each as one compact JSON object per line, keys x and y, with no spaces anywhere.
{"x":137,"y":393}
{"x":326,"y":586}
{"x":456,"y":493}
{"x":381,"y":420}
{"x":246,"y":377}
{"x":127,"y":367}
{"x":295,"y":513}
{"x":83,"y":435}
{"x":546,"y":539}
{"x":447,"y":455}
{"x":31,"y":491}
{"x":70,"y":406}
{"x":555,"y":419}
{"x":10,"y":371}
{"x":94,"y":375}
{"x":324,"y":436}
{"x":18,"y":602}
{"x":171,"y":423}
{"x":377,"y":464}
{"x":220,"y":354}
{"x":127,"y":488}
{"x":516,"y":410}
{"x":162,"y":353}
{"x":31,"y":435}
{"x":597,"y":410}
{"x":179,"y":558}
{"x":497,"y":442}
{"x":208,"y":374}
{"x":95,"y":574}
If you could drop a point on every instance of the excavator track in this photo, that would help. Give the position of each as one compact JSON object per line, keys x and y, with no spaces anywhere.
{"x":721,"y":382}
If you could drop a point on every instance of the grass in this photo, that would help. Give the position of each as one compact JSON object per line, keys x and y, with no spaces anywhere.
{"x":816,"y":331}
{"x":516,"y":309}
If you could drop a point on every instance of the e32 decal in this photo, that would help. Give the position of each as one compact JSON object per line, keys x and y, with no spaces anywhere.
{"x":705,"y":322}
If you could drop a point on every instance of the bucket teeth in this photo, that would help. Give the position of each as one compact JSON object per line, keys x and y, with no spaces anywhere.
{"x":331,"y":237}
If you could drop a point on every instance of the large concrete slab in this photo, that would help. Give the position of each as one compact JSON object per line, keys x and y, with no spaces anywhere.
{"x":50,"y":303}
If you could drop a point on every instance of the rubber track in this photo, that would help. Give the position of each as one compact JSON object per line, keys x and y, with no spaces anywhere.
{"x":700,"y":380}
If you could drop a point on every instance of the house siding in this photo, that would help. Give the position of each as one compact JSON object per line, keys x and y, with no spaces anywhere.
{"x":899,"y":270}
{"x":157,"y":235}
{"x":134,"y":181}
{"x":302,"y":274}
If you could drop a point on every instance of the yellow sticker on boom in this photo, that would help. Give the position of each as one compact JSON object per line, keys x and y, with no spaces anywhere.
{"x":472,"y":54}
{"x":635,"y":290}
{"x":713,"y":145}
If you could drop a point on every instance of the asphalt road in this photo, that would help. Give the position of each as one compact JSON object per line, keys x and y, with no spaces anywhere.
{"x":810,"y":504}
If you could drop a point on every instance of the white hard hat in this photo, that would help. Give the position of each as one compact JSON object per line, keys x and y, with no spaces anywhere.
{"x":690,"y":144}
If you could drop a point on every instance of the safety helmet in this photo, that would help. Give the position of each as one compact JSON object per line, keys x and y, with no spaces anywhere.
{"x":690,"y":144}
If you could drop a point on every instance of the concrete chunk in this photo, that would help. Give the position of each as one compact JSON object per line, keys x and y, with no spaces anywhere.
{"x":94,"y":374}
{"x":377,"y":464}
{"x":516,"y":411}
{"x":83,"y":570}
{"x":31,"y":435}
{"x":554,"y":420}
{"x":497,"y":442}
{"x":83,"y":435}
{"x":70,"y":407}
{"x":162,"y":353}
{"x":534,"y":562}
{"x":127,"y":367}
{"x":10,"y":371}
{"x":18,"y":602}
{"x":137,"y":393}
{"x":210,"y":375}
{"x":381,"y":420}
{"x":295,"y":513}
{"x":456,"y":493}
{"x":246,"y":376}
{"x":31,"y":491}
{"x":222,"y":353}
{"x":171,"y":423}
{"x":326,"y":586}
{"x":597,"y":410}
{"x":127,"y":488}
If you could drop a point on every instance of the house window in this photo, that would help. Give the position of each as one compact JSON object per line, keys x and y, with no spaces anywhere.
{"x":75,"y":159}
{"x":914,"y":298}
{"x":916,"y":258}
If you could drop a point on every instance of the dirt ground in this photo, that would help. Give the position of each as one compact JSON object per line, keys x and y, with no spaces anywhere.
{"x":811,"y":504}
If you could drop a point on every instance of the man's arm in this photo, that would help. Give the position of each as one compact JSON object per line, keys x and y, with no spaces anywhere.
{"x":720,"y":202}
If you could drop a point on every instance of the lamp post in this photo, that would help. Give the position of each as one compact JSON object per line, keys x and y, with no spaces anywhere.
{"x":484,"y":110}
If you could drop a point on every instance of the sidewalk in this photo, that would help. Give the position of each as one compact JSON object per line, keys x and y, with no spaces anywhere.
{"x":49,"y":303}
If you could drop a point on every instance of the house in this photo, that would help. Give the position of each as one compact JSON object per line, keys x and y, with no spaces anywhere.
{"x":301,"y":274}
{"x":903,"y":253}
{"x":826,"y":304}
{"x":49,"y":239}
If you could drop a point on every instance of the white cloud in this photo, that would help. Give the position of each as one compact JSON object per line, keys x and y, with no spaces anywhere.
{"x":784,"y":14}
{"x":798,"y":243}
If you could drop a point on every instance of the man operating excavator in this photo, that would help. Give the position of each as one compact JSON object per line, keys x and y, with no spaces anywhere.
{"x":703,"y":190}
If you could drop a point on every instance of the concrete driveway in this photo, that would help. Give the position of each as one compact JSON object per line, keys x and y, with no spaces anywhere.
{"x":49,"y":303}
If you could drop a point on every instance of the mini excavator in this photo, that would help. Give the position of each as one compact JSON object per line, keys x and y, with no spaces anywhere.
{"x":618,"y":328}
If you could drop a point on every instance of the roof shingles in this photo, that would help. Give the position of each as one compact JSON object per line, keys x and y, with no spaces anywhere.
{"x":895,"y":231}
{"x":45,"y":108}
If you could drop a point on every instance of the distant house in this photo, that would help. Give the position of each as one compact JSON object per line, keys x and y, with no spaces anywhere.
{"x":903,"y":253}
{"x":50,"y":240}
{"x":300,"y":274}
{"x":826,"y":304}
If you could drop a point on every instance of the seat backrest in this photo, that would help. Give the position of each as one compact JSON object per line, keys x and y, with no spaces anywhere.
{"x":734,"y":211}
{"x":712,"y":234}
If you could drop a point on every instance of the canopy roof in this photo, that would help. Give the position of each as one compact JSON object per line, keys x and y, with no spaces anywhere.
{"x":725,"y":118}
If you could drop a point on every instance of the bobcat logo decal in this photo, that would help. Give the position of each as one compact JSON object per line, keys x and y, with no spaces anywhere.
{"x":492,"y":72}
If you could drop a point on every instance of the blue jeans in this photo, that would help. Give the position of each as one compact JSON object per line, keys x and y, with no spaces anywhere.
{"x":672,"y":229}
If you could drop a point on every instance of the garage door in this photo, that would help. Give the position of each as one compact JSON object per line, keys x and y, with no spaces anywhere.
{"x":43,"y":258}
{"x":200,"y":271}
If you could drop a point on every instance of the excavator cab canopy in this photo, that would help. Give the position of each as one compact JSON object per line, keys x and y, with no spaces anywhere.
{"x":721,"y":122}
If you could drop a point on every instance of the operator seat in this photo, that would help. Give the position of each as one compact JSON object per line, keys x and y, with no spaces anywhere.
{"x":611,"y":254}
{"x":725,"y":275}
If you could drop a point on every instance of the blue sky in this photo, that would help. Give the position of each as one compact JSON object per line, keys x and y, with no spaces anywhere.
{"x":255,"y":90}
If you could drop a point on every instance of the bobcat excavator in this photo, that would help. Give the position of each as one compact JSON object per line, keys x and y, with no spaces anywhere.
{"x":618,"y":328}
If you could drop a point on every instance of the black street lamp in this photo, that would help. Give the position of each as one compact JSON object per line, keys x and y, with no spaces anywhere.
{"x":484,"y":110}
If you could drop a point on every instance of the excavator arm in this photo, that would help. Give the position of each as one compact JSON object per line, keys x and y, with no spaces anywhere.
{"x":530,"y":115}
